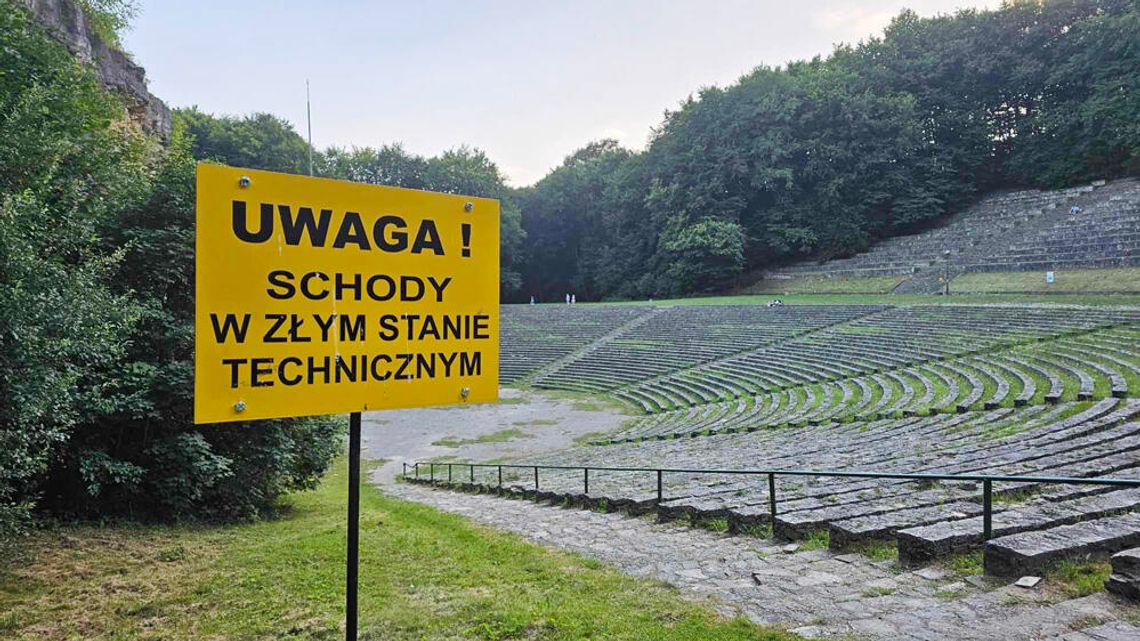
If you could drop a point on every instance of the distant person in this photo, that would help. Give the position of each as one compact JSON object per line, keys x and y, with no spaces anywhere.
{"x":532,"y":300}
{"x":573,"y":299}
{"x":567,"y":299}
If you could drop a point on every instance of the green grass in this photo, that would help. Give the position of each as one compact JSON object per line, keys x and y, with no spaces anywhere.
{"x":824,"y":285}
{"x":719,"y":524}
{"x":878,"y":550}
{"x":968,"y":564}
{"x":1080,"y":579}
{"x":584,"y":401}
{"x":1079,"y":281}
{"x":895,"y":299}
{"x":872,"y":593}
{"x":424,"y":576}
{"x":501,"y":436}
{"x":537,"y":422}
{"x":583,"y":440}
{"x":818,"y":540}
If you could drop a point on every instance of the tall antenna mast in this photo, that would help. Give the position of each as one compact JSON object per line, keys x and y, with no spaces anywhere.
{"x":309,"y":119}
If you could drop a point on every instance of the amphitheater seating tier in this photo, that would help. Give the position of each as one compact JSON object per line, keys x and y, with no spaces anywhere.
{"x":1026,"y":230}
{"x":944,"y":389}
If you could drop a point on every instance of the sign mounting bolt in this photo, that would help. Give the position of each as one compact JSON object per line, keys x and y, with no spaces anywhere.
{"x":243,"y":182}
{"x":464,"y":392}
{"x":239,"y":406}
{"x":468,"y":206}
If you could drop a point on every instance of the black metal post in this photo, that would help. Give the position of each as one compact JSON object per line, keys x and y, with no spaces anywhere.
{"x":353,"y":567}
{"x":431,"y":476}
{"x":449,"y":473}
{"x":417,"y":470}
{"x":585,"y":480}
{"x":500,"y":476}
{"x":473,"y":474}
{"x":536,"y":479}
{"x":772,"y":498}
{"x":987,"y":509}
{"x":660,"y":488}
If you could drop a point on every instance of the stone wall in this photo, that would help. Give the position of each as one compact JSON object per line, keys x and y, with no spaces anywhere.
{"x":67,"y":22}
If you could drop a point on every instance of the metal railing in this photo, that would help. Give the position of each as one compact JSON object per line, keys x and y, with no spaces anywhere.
{"x":987,"y":480}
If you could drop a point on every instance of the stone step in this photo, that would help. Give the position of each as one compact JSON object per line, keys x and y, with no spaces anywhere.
{"x":1032,"y":552}
{"x":925,"y":543}
{"x":1125,"y":579}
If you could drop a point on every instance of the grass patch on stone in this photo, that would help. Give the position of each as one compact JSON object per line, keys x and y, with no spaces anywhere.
{"x":872,"y":593}
{"x":1080,"y":579}
{"x":757,"y":531}
{"x":818,"y":540}
{"x":824,"y":285}
{"x":425,"y":576}
{"x":583,"y":440}
{"x":537,"y":422}
{"x":878,"y":550}
{"x":501,"y":436}
{"x":716,"y":524}
{"x":968,"y":564}
{"x":1080,"y":281}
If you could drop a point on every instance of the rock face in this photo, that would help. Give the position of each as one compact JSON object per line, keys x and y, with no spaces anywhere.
{"x":1125,"y":579}
{"x":67,"y":22}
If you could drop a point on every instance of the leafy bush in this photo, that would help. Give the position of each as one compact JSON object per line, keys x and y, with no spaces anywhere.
{"x":65,"y":167}
{"x":96,"y":315}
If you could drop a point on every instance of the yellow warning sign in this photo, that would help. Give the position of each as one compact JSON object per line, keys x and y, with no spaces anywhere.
{"x":319,"y":296}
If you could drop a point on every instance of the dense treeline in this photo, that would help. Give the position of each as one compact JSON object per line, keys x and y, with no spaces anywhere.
{"x":819,"y":158}
{"x":96,"y":314}
{"x":264,"y":141}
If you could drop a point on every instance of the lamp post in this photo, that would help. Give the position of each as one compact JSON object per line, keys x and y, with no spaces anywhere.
{"x":946,"y":272}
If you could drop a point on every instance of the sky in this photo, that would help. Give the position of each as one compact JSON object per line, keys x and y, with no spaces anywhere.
{"x":527,"y":81}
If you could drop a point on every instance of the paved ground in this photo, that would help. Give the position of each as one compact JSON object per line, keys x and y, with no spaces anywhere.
{"x":815,"y":593}
{"x":546,"y":423}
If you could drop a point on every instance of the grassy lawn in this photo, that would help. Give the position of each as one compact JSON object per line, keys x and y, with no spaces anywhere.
{"x":425,"y":575}
{"x":1077,"y":281}
{"x":898,"y":299}
{"x":823,"y":285}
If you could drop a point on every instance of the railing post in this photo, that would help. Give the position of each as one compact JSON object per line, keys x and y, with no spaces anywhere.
{"x":431,"y":476}
{"x":472,"y":473}
{"x":536,"y":479}
{"x":987,"y":509}
{"x":449,"y":473}
{"x":585,"y":480}
{"x":772,"y":497}
{"x":660,"y":488}
{"x":500,"y":477}
{"x":417,"y":470}
{"x":405,"y":474}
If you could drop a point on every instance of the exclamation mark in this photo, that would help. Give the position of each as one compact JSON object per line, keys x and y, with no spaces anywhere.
{"x":466,"y":229}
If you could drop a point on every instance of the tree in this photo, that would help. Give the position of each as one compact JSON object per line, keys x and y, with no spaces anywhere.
{"x":66,"y":165}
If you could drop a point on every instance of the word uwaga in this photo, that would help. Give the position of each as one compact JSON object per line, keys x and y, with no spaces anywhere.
{"x":388,"y":234}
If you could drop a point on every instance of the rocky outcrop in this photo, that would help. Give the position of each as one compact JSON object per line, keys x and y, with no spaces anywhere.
{"x":67,"y":22}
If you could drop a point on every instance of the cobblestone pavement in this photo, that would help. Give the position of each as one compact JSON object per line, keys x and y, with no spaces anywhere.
{"x":814,"y":593}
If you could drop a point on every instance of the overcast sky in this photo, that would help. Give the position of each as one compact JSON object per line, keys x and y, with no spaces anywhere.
{"x":528,"y":81}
